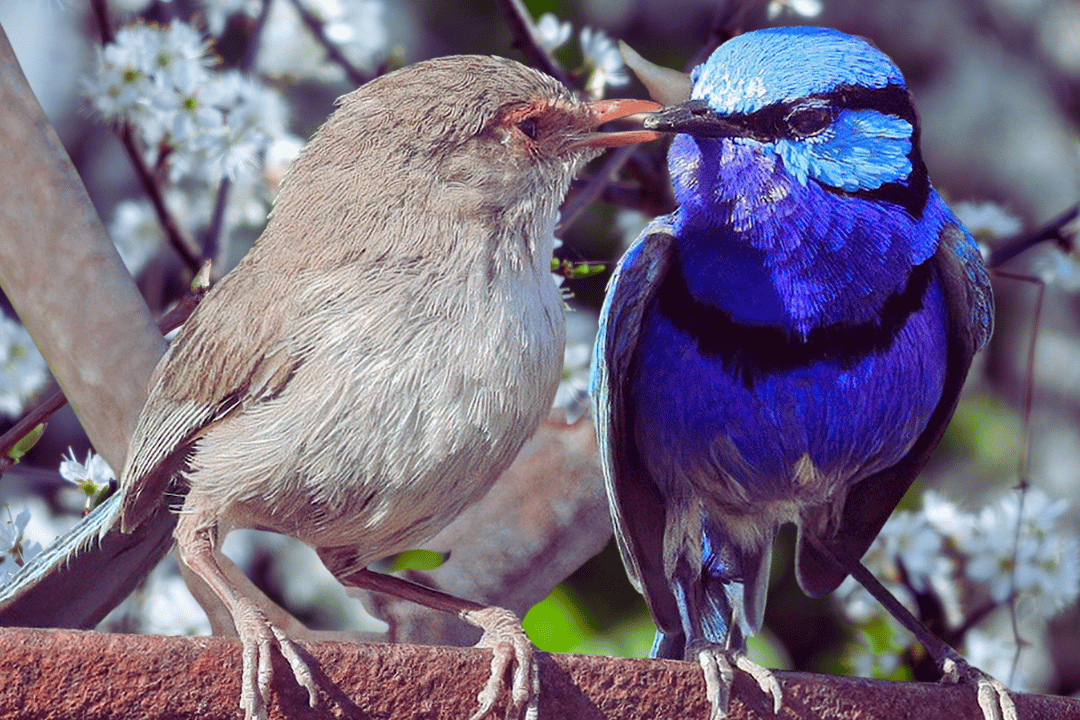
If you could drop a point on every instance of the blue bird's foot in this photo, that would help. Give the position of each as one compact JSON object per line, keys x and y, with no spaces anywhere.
{"x":993,"y":697}
{"x":719,"y":666}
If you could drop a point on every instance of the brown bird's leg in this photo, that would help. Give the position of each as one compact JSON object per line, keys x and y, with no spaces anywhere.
{"x":502,"y":633}
{"x":196,"y":541}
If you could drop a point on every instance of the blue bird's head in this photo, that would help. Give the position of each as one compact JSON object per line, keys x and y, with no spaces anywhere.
{"x":802,"y":144}
{"x":830,"y":107}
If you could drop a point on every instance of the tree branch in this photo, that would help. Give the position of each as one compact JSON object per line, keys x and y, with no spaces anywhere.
{"x":521,"y":26}
{"x":95,"y":676}
{"x":65,"y":278}
{"x":315,"y":25}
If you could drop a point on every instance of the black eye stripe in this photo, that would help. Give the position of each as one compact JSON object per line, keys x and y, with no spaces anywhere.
{"x":770,"y":123}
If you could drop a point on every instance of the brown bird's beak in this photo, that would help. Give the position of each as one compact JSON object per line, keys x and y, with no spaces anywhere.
{"x":607,"y":110}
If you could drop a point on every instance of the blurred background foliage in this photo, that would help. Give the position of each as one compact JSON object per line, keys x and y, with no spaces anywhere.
{"x":997,"y":83}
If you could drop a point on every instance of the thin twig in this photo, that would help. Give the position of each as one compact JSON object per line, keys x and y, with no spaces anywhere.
{"x":333,"y":52}
{"x":212,"y":245}
{"x":727,"y":22}
{"x":1023,"y":470}
{"x":594,"y":189}
{"x":522,"y":28}
{"x":251,"y":52}
{"x":1018,"y":244}
{"x":184,"y":246}
{"x":101,"y":12}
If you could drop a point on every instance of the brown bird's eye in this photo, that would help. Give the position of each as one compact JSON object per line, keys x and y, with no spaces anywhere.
{"x":528,"y":126}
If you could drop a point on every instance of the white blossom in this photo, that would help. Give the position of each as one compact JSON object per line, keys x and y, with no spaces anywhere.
{"x":1038,"y":560}
{"x":803,"y":8}
{"x":552,"y":33}
{"x":93,"y":477}
{"x":22,"y":369}
{"x":603,"y":59}
{"x":212,"y":124}
{"x":15,"y":548}
{"x":987,"y":220}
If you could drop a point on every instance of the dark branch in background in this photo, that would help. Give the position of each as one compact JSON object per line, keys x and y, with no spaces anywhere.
{"x":522,"y":28}
{"x":101,"y":12}
{"x":727,"y":22}
{"x":183,"y":245}
{"x":170,"y":321}
{"x":333,"y":52}
{"x":212,"y":237}
{"x":251,"y":52}
{"x":1051,"y":231}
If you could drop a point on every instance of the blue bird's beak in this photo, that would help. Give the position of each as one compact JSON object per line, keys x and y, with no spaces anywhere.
{"x":694,"y":117}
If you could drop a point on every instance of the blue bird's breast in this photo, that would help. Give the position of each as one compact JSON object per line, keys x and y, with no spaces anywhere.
{"x":749,"y":415}
{"x":772,"y":249}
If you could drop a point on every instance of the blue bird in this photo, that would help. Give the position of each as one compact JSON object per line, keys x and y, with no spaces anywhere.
{"x":787,"y":346}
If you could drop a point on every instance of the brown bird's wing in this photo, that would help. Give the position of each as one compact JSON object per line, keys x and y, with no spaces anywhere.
{"x":205,"y":376}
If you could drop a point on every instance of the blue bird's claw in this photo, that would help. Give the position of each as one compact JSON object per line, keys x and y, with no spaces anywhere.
{"x":719,"y":668}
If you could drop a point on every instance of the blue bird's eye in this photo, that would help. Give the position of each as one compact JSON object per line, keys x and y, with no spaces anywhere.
{"x":809,"y":120}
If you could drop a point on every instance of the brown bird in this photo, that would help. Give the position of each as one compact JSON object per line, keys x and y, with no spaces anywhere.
{"x":380,"y":355}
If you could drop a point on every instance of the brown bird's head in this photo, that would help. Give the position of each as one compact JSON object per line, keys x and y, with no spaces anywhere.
{"x":481,"y":140}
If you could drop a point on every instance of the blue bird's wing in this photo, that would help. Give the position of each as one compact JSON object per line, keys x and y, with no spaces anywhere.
{"x":637,"y":506}
{"x":869,"y":503}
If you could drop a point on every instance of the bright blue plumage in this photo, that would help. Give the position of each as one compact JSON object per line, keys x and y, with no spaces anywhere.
{"x":789,"y":344}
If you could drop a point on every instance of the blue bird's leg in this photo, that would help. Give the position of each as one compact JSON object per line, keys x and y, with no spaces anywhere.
{"x":719,"y":601}
{"x":992,"y":695}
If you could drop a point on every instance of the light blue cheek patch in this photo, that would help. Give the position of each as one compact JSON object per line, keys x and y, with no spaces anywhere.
{"x":862,"y":150}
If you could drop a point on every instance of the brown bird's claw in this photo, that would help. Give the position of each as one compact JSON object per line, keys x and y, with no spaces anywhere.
{"x":719,"y":668}
{"x":255,"y":634}
{"x":992,"y":695}
{"x":509,"y":644}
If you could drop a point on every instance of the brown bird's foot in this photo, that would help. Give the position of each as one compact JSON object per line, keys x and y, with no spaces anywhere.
{"x":992,"y":695}
{"x":719,"y":668}
{"x":509,"y":644}
{"x":502,"y":633}
{"x":257,"y":635}
{"x":196,"y":542}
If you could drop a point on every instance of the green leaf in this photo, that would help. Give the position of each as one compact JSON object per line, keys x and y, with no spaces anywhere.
{"x":26,"y":442}
{"x":416,"y":560}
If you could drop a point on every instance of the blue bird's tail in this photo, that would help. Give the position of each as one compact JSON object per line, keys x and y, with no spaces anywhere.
{"x":721,"y":601}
